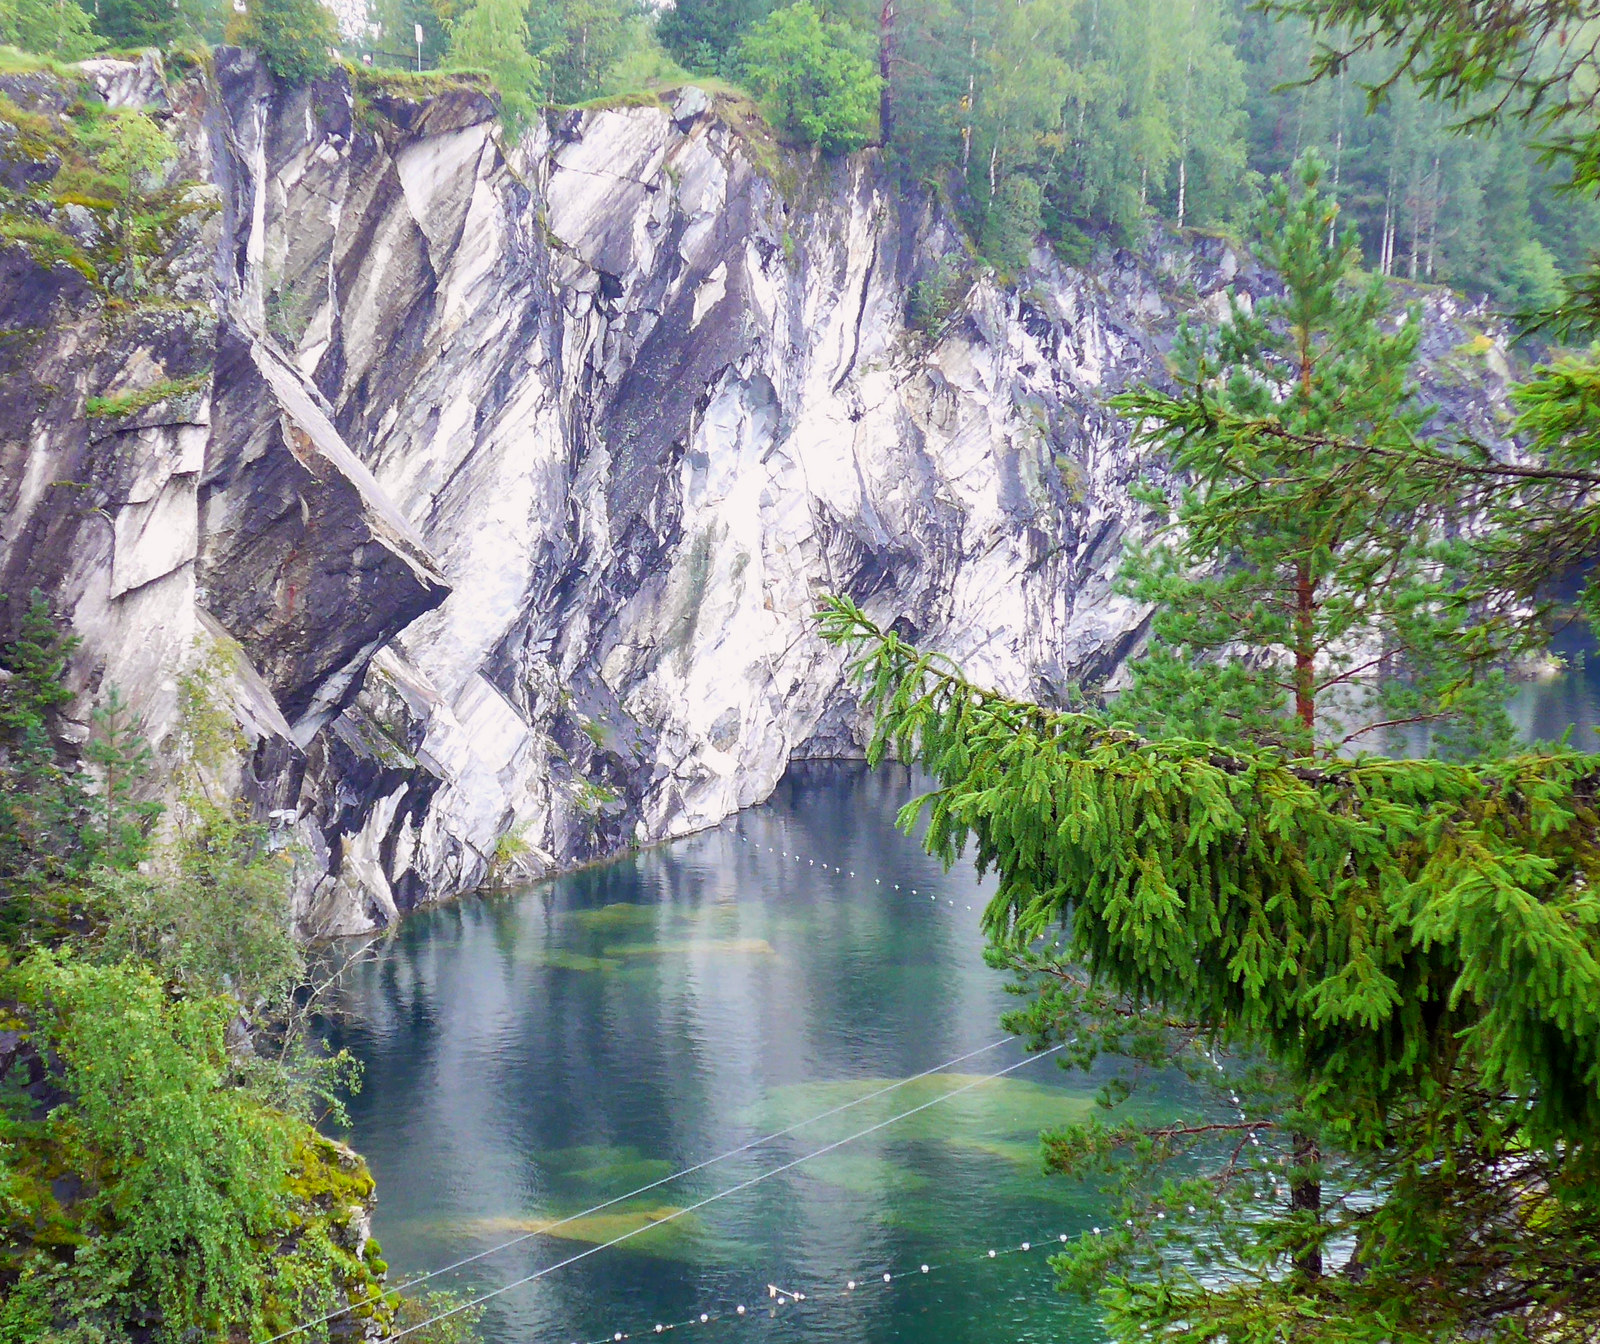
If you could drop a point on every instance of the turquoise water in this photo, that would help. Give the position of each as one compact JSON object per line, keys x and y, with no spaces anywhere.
{"x":532,"y":1055}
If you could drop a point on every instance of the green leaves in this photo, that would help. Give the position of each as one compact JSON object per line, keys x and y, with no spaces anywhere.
{"x":188,"y":1172}
{"x":1300,"y":597}
{"x":1413,"y":945}
{"x":294,"y":37}
{"x":492,"y":35}
{"x":818,"y":82}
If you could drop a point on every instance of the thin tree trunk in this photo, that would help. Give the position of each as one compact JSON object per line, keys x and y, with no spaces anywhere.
{"x":1416,"y":228}
{"x":1183,"y":147}
{"x":1433,"y":216}
{"x":1305,"y":587}
{"x":972,"y":92}
{"x":1389,"y":213}
{"x":1338,"y":161}
{"x":886,"y":20}
{"x":1305,"y":1196}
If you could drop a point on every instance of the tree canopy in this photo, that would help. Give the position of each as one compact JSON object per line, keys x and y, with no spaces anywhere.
{"x":294,"y":37}
{"x":819,"y":83}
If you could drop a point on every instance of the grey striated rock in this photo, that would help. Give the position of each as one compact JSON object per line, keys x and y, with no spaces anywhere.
{"x":306,"y":562}
{"x":522,"y":468}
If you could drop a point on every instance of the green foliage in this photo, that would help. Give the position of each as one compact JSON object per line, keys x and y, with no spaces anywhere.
{"x":580,"y":41}
{"x":121,"y":760}
{"x":937,"y":296}
{"x":188,"y":1171}
{"x":112,"y":165}
{"x":1314,"y":614}
{"x":458,"y":1327}
{"x":1411,"y":943}
{"x":212,"y":917}
{"x":128,"y":155}
{"x":492,"y":35}
{"x":164,"y":1193}
{"x":814,"y":77}
{"x":705,"y":34}
{"x":131,"y":403}
{"x":294,"y":37}
{"x":168,"y":1183}
{"x":136,"y":23}
{"x":1381,"y":976}
{"x":43,"y":804}
{"x":1486,"y":211}
{"x":60,"y":28}
{"x":1012,"y":222}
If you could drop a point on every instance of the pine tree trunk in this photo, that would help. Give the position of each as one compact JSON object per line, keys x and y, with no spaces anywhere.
{"x":1305,"y":1195}
{"x":1305,"y":591}
{"x":1305,"y":654}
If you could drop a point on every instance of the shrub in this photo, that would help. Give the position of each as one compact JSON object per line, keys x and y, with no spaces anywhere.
{"x":1012,"y":224}
{"x":188,"y":1170}
{"x":51,"y":27}
{"x":816,"y":81}
{"x":293,"y":37}
{"x":493,"y":36}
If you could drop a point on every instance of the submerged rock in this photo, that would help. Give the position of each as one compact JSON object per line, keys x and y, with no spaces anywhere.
{"x":520,"y":470}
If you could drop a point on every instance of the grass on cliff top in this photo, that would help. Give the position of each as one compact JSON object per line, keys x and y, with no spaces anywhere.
{"x":15,"y":61}
{"x":417,"y":86}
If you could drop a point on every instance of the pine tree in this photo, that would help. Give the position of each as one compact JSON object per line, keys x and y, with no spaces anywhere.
{"x":492,"y":35}
{"x":41,"y":802}
{"x":1387,"y":972}
{"x":1393,"y":967}
{"x":1311,"y":615}
{"x":118,"y":835}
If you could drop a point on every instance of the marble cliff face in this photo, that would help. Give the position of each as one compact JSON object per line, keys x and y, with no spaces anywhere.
{"x":502,"y":480}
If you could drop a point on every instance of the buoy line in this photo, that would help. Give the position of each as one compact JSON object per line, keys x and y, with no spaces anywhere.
{"x":776,"y":1298}
{"x":653,"y":1185}
{"x":721,"y":1194}
{"x":834,"y":868}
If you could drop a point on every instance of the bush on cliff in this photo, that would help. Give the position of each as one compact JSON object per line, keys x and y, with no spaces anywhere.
{"x":295,"y":37}
{"x":492,"y":35}
{"x":814,"y":77}
{"x":159,"y":1175}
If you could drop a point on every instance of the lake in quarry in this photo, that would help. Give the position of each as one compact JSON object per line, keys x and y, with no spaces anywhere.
{"x":545,"y":1054}
{"x":532,"y":1055}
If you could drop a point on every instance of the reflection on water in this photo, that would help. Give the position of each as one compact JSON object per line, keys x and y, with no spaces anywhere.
{"x":1543,"y":711}
{"x":531,"y":1056}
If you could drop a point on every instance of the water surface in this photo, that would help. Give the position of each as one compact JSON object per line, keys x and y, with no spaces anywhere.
{"x":533,"y":1055}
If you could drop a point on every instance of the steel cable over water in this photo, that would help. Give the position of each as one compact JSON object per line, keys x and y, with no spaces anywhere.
{"x":721,"y":1194}
{"x":645,"y":1189}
